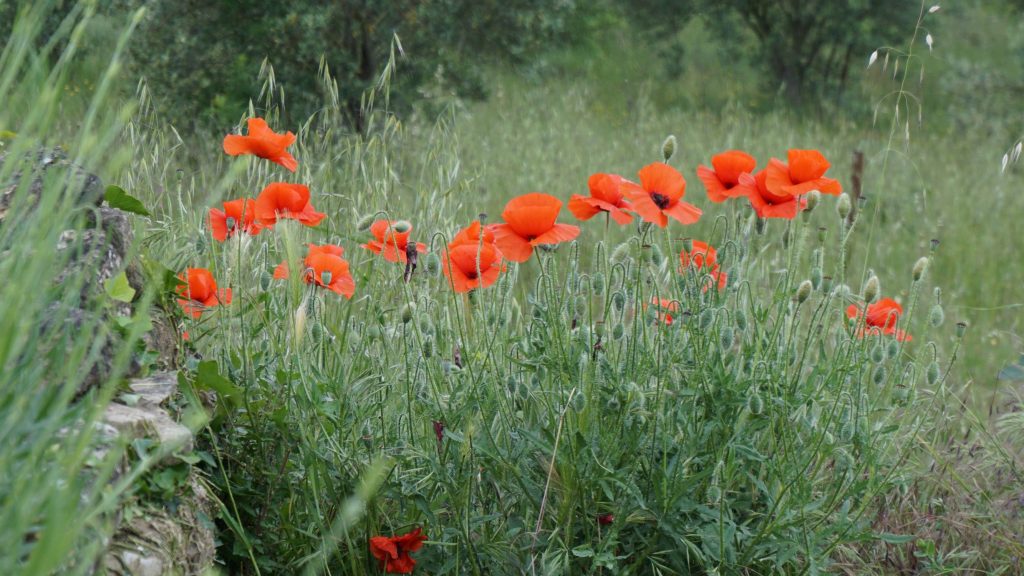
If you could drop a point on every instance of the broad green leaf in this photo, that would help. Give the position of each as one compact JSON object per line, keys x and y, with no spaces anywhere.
{"x":119,"y":289}
{"x":118,"y":198}
{"x":209,"y":378}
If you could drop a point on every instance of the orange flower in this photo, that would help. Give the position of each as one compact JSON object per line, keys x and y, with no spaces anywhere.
{"x":324,"y":267}
{"x":283,"y":200}
{"x":392,"y":240}
{"x":881,"y":318}
{"x":199,"y":292}
{"x":659,"y":195}
{"x":263,"y":142}
{"x":766,"y":203}
{"x":238,"y":215}
{"x":393,"y":552}
{"x":724,"y":181}
{"x":474,"y":261}
{"x":703,"y":256}
{"x":805,"y":172}
{"x":605,"y":196}
{"x":530,"y":221}
{"x":663,"y":308}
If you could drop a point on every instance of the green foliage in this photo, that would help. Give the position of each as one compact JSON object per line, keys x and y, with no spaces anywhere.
{"x":210,"y":73}
{"x":116,"y":197}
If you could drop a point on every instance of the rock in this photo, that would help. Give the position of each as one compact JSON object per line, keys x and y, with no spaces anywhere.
{"x":148,"y":419}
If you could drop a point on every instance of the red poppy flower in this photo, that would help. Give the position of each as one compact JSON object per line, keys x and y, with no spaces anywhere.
{"x":605,"y":519}
{"x":766,"y":203}
{"x":805,"y":172}
{"x":474,"y":261}
{"x":263,"y":142}
{"x":723,"y":182}
{"x":881,"y":318}
{"x":391,"y":239}
{"x":664,"y":308}
{"x":702,"y":256}
{"x":238,"y":215}
{"x":324,"y":267}
{"x":530,"y":221}
{"x":659,"y":195}
{"x":393,"y":552}
{"x":605,"y":196}
{"x":199,"y":292}
{"x":283,"y":200}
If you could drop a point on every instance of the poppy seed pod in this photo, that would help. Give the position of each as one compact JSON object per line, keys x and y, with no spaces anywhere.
{"x":668,"y":148}
{"x":871,"y":289}
{"x":920,"y":267}
{"x":688,"y":245}
{"x":961,"y":328}
{"x":803,"y":292}
{"x":844,"y":205}
{"x":364,"y":223}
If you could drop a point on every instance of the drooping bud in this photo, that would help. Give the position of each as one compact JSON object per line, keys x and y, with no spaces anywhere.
{"x":932,"y":373}
{"x":755,"y":403}
{"x":937,"y":316}
{"x":407,"y":312}
{"x":707,"y":318}
{"x":741,"y":320}
{"x":878,"y":376}
{"x":656,"y":255}
{"x":668,"y":148}
{"x":401,"y":226}
{"x":619,"y":301}
{"x":816,"y":277}
{"x":433,"y":264}
{"x":871,"y":289}
{"x":877,"y":353}
{"x":265,"y":279}
{"x":844,"y":205}
{"x":618,"y":332}
{"x":597,"y":283}
{"x":621,"y":252}
{"x":803,"y":292}
{"x":893,"y":348}
{"x":920,"y":267}
{"x":364,"y":223}
{"x":726,"y":336}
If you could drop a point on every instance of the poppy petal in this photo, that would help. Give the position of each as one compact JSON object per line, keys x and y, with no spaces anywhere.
{"x":684,"y":212}
{"x":645,"y":207}
{"x":663,"y":179}
{"x":806,"y":165}
{"x":533,"y":214}
{"x":218,"y":225}
{"x":557,"y":234}
{"x":581,"y":208}
{"x":512,"y":245}
{"x":730,"y":164}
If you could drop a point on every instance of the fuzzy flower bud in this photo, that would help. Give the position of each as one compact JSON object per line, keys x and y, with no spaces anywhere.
{"x":407,"y":312}
{"x":937,"y":316}
{"x":803,"y":292}
{"x":668,"y":148}
{"x":871,"y":289}
{"x":932,"y":373}
{"x":844,"y":205}
{"x":920,"y":267}
{"x":755,"y":403}
{"x":433,"y":264}
{"x":812,"y":201}
{"x":364,"y":223}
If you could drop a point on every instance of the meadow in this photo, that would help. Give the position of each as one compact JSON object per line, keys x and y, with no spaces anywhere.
{"x":612,"y":404}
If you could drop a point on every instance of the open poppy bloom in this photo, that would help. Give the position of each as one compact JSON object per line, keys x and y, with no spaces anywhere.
{"x":702,"y":256}
{"x":881,"y":318}
{"x":605,"y":196}
{"x":659,"y":195}
{"x":530,"y":221}
{"x":237,"y":216}
{"x":392,"y":239}
{"x":393,"y":552}
{"x":199,"y":292}
{"x":324,"y":267}
{"x":263,"y":142}
{"x":766,"y":203}
{"x":723,"y":182}
{"x":805,"y":172}
{"x":664,"y":308}
{"x":474,"y":260}
{"x":283,"y":200}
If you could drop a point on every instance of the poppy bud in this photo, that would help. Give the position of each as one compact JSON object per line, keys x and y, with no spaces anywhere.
{"x":618,"y":332}
{"x":741,"y":320}
{"x":364,"y":223}
{"x":407,"y":311}
{"x":961,"y":328}
{"x":920,"y":267}
{"x":816,"y":277}
{"x":619,"y":301}
{"x":707,"y":318}
{"x":822,"y":234}
{"x":812,"y":201}
{"x":755,"y":403}
{"x":936,"y":317}
{"x":605,"y":519}
{"x":843,"y":205}
{"x":668,"y":148}
{"x":317,"y":331}
{"x":265,"y":279}
{"x":803,"y":292}
{"x":597,"y":283}
{"x":877,"y":353}
{"x":871,"y":289}
{"x":428,"y":347}
{"x":932,"y":373}
{"x":656,"y":256}
{"x":726,"y":336}
{"x":892,"y":349}
{"x":621,"y":252}
{"x":433,"y":264}
{"x":878,"y":376}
